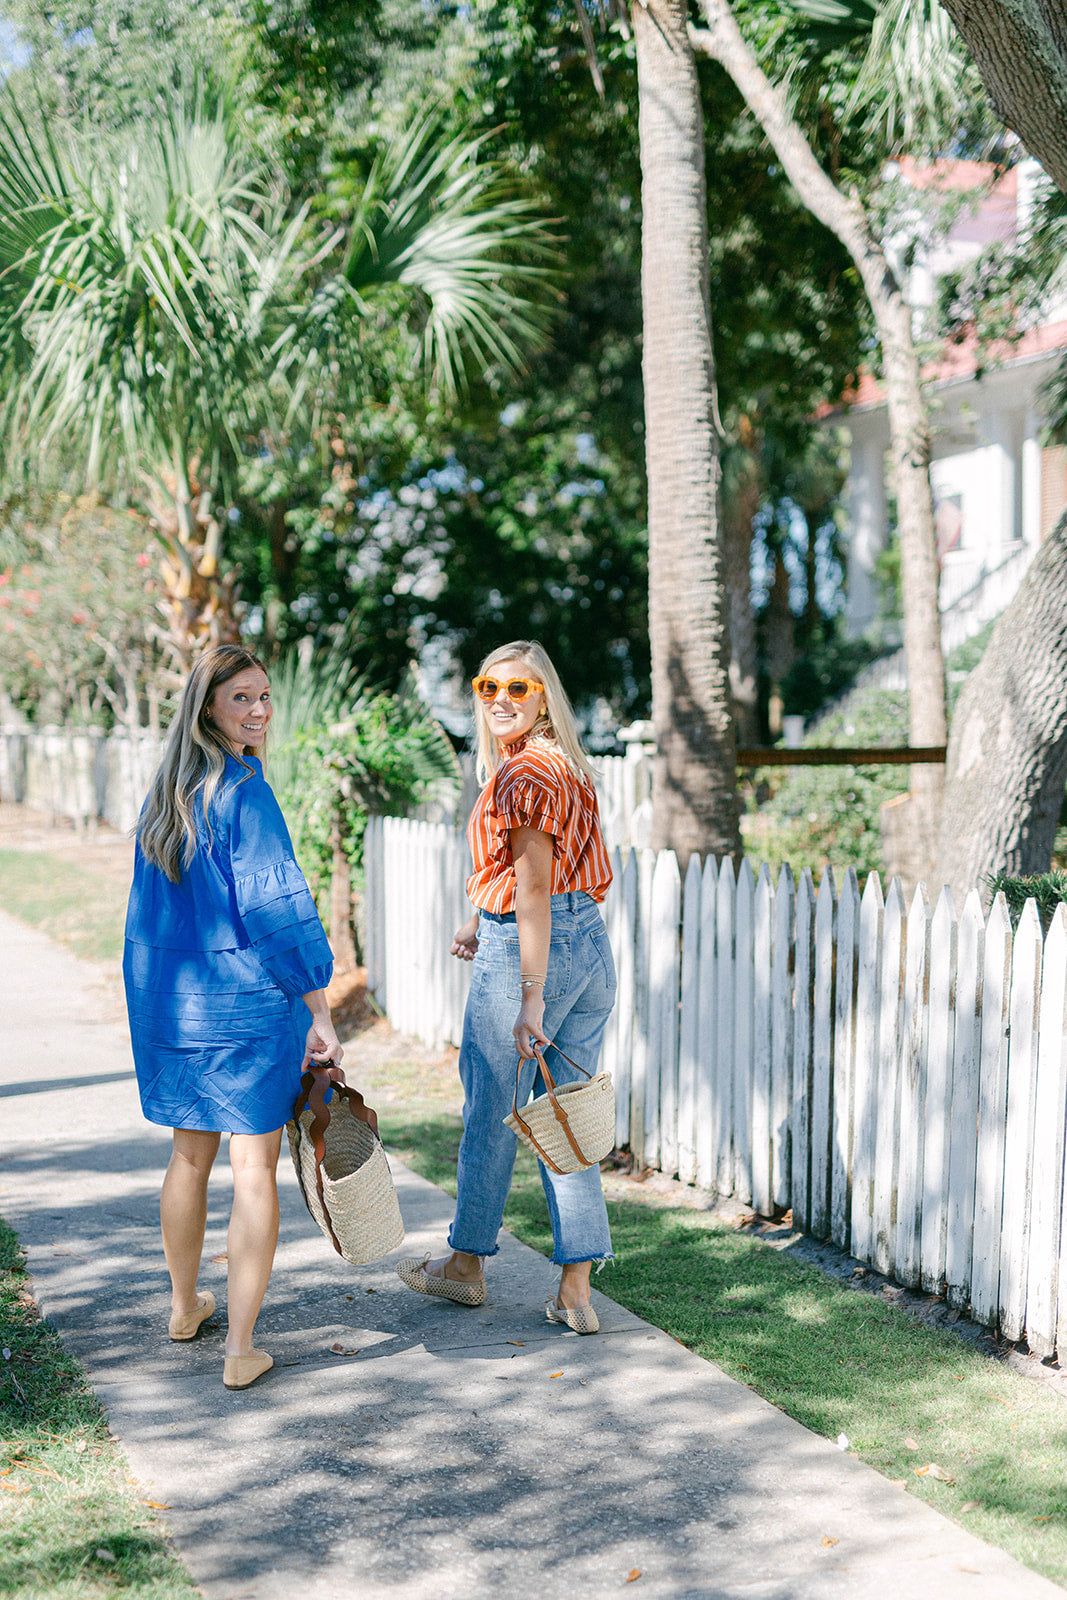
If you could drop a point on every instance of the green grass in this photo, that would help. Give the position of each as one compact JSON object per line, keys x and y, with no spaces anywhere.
{"x":84,"y":909}
{"x":836,"y":1359}
{"x":71,"y":1524}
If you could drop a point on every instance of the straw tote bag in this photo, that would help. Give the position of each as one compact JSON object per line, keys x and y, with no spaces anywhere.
{"x":572,"y":1126}
{"x":341,"y":1168}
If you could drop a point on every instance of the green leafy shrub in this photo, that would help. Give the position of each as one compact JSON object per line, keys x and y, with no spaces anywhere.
{"x":345,"y":753}
{"x":817,"y":815}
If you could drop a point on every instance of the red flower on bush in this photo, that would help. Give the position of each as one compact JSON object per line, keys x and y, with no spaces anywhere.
{"x":142,"y":560}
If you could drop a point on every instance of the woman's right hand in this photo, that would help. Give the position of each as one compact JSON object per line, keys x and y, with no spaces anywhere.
{"x":465,"y":942}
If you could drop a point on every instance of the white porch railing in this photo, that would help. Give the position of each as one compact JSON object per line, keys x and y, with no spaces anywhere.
{"x":895,"y":1075}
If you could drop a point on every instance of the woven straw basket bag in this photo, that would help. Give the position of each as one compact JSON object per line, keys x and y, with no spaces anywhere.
{"x":570,"y":1127}
{"x":341,"y":1168}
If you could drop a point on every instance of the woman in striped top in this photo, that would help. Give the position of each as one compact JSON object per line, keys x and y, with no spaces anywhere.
{"x":542,"y":971}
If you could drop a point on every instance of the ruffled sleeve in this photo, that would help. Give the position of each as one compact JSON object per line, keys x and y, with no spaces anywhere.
{"x":274,"y":902}
{"x":529,"y":795}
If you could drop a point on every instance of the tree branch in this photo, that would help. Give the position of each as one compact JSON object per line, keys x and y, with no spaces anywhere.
{"x":1020,"y":49}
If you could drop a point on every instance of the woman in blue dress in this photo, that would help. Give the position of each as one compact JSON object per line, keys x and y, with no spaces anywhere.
{"x":225,"y":958}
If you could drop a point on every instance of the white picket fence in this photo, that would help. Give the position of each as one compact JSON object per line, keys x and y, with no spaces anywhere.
{"x":895,"y":1075}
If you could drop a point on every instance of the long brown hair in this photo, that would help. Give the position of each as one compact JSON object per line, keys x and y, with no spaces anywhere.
{"x":192,"y":766}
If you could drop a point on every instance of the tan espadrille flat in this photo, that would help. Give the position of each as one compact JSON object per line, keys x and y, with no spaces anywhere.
{"x":239,"y":1371}
{"x":413,"y":1273}
{"x":582,"y":1319}
{"x":185,"y":1325}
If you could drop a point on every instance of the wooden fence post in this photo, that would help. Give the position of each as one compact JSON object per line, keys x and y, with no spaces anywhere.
{"x":762,"y":1043}
{"x":822,"y":1057}
{"x":1050,"y":1102}
{"x":887,"y":1130}
{"x":803,"y":1045}
{"x":992,"y":1115}
{"x":723,"y":1087}
{"x":661,"y":1082}
{"x":939,"y":1100}
{"x":639,"y":1060}
{"x":1019,"y":1123}
{"x":843,"y":1097}
{"x":865,"y":1071}
{"x":966,"y":1071}
{"x":782,"y":1039}
{"x":744,"y":947}
{"x":707,"y":1107}
{"x":625,"y":1001}
{"x":913,"y":1041}
{"x":689,"y":1040}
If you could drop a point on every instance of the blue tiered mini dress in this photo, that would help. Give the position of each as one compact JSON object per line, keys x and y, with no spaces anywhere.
{"x":215,"y":967}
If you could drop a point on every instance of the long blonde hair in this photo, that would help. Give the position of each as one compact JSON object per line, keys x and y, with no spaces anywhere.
{"x":555,"y":729}
{"x":193,"y":764}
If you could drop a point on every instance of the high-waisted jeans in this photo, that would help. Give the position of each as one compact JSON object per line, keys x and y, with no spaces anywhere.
{"x":579,"y":995}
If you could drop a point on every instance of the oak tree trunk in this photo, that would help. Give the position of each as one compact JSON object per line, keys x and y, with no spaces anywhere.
{"x":694,"y":788}
{"x":1020,"y":49}
{"x":1007,"y":758}
{"x":909,"y":430}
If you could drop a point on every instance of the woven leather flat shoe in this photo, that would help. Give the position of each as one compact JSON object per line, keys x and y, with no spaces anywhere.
{"x":413,"y":1273}
{"x":582,"y":1319}
{"x":185,"y":1325}
{"x":239,"y":1371}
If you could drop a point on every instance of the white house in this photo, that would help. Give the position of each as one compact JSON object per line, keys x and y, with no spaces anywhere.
{"x":998,"y":491}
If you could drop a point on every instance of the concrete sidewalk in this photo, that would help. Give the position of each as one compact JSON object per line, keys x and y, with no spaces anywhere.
{"x":446,"y":1453}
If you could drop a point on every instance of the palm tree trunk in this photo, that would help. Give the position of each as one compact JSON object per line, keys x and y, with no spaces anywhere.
{"x":694,"y":789}
{"x":909,"y":428}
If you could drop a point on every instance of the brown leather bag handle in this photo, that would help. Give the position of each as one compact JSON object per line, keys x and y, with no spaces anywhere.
{"x":560,"y":1114}
{"x":315,"y":1080}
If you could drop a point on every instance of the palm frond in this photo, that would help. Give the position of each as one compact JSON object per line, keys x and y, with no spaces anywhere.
{"x":437,"y":217}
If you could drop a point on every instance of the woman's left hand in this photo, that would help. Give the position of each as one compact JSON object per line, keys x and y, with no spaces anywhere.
{"x":322,"y":1045}
{"x":528,"y":1030}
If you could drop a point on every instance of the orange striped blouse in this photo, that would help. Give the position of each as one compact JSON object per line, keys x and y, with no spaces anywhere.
{"x":535,"y":788}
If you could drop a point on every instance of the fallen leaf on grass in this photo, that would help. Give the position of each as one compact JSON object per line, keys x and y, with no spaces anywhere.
{"x":634,"y":1574}
{"x":156,"y":1505}
{"x":932,"y":1470}
{"x":1042,"y":1519}
{"x":80,"y":1446}
{"x":828,"y":1539}
{"x":16,"y":1488}
{"x":971,"y":1505}
{"x":909,"y":1444}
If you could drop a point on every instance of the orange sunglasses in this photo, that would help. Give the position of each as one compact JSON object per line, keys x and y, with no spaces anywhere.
{"x":516,"y":689}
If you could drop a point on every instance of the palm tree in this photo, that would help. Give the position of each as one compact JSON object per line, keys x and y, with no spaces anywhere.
{"x":162,"y":304}
{"x":694,"y":779}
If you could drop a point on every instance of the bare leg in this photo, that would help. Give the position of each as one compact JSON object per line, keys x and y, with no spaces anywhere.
{"x":253,"y":1233}
{"x":574,"y":1284}
{"x":183,"y":1211}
